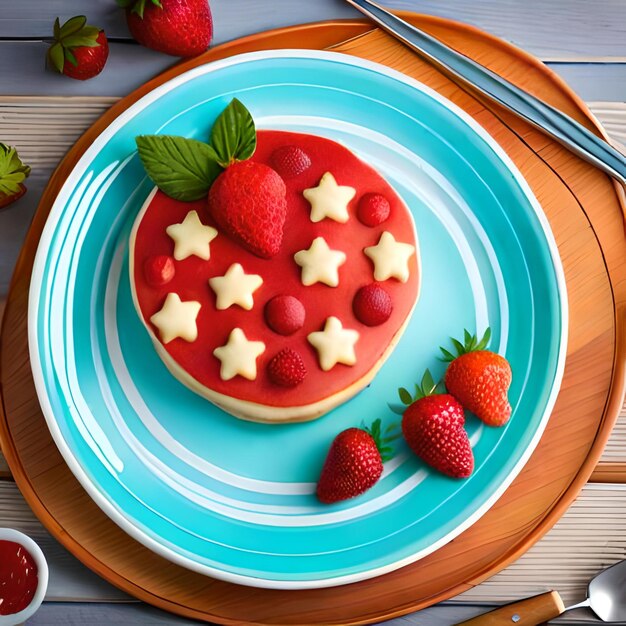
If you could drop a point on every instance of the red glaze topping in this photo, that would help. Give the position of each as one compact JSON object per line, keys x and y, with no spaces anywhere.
{"x":18,"y":577}
{"x":290,"y":161}
{"x":373,"y":209}
{"x":287,"y":368}
{"x":159,"y":270}
{"x":281,"y":275}
{"x":285,"y":314}
{"x":372,"y":305}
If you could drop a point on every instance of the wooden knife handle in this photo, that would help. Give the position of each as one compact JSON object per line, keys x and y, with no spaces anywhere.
{"x":529,"y":612}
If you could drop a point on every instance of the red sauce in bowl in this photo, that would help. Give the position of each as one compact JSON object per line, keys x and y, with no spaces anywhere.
{"x":18,"y":577}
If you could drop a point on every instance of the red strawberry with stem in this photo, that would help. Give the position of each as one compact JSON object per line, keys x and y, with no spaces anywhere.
{"x":432,"y":425}
{"x":79,"y":51}
{"x":354,"y":462}
{"x":248,"y":199}
{"x":182,"y":28}
{"x":13,"y":173}
{"x":479,"y":379}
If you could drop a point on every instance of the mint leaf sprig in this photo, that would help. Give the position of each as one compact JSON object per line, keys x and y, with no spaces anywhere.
{"x":185,"y":169}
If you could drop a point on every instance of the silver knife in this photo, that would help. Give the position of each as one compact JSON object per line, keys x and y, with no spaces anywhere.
{"x":471,"y":74}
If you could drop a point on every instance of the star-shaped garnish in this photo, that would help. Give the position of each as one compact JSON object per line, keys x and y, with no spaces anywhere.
{"x":177,"y":319}
{"x":329,"y":199}
{"x":235,"y":287}
{"x":238,"y":356}
{"x":390,"y":257}
{"x":334,"y":344}
{"x":191,"y":237}
{"x":319,"y":263}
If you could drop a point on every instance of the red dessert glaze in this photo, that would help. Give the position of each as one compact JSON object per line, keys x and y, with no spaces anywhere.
{"x":285,"y":314}
{"x":282,"y":275}
{"x":373,"y":209}
{"x":287,"y":368}
{"x":290,"y":161}
{"x":18,"y":577}
{"x":372,"y":305}
{"x":159,"y":270}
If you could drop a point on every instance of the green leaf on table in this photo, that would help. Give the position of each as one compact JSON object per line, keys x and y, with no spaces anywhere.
{"x":182,"y":168}
{"x":233,"y":135}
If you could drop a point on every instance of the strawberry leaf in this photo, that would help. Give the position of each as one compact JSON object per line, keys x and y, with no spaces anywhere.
{"x":12,"y":171}
{"x":56,"y":56}
{"x":447,"y":355}
{"x":76,"y":41}
{"x":56,"y":29}
{"x":397,"y":409}
{"x":73,"y":25}
{"x":233,"y":135}
{"x":184,"y":169}
{"x":484,"y":342}
{"x":405,"y":396}
{"x":69,"y":55}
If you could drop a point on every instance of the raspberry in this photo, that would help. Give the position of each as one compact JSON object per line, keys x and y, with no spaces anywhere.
{"x":284,"y":314}
{"x":372,"y":305}
{"x":290,"y":161}
{"x":287,"y":368}
{"x":373,"y":209}
{"x":159,"y":270}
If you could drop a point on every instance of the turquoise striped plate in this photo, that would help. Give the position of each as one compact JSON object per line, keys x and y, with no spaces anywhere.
{"x":235,"y":500}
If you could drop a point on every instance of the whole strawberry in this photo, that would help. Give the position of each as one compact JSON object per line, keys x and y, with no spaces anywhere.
{"x":182,"y":28}
{"x":79,"y":51}
{"x":354,"y":463}
{"x":432,"y":426}
{"x":13,"y":173}
{"x":248,"y":202}
{"x":479,"y":379}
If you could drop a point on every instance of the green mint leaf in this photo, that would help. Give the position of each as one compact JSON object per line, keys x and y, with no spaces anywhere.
{"x":73,"y":25}
{"x":233,"y":135}
{"x":184,"y":169}
{"x":56,"y":56}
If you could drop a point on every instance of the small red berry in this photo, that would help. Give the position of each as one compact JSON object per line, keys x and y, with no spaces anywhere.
{"x":373,"y":209}
{"x":372,"y":305}
{"x":290,"y":161}
{"x":284,"y":314}
{"x":287,"y":368}
{"x":159,"y":270}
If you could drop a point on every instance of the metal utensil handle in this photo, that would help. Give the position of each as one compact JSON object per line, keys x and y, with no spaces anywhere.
{"x":550,"y":120}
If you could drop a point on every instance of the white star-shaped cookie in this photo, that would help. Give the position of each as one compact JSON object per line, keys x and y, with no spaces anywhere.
{"x":191,"y":237}
{"x":334,"y":344}
{"x":238,"y":356}
{"x":177,"y":319}
{"x":390,"y":257}
{"x":329,"y":199}
{"x":319,"y":263}
{"x":235,"y":287}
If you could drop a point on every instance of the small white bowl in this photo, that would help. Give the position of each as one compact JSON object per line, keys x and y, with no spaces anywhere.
{"x":8,"y":534}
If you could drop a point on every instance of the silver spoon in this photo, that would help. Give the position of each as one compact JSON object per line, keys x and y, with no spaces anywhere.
{"x":606,"y":597}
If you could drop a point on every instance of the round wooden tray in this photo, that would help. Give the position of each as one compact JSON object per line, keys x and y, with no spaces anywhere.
{"x":585,"y":211}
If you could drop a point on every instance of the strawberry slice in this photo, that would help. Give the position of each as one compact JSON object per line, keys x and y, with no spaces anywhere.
{"x":13,"y":173}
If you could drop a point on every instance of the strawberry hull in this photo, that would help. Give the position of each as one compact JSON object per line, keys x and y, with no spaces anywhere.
{"x":194,"y":364}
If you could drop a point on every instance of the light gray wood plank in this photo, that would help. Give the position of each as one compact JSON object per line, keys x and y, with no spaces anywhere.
{"x":570,"y":28}
{"x":129,"y":66}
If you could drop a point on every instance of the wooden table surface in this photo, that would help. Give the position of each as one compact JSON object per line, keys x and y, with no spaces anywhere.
{"x":42,"y":114}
